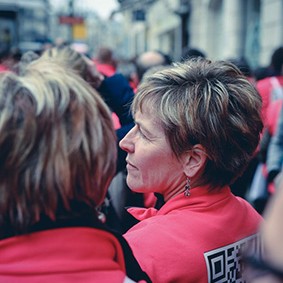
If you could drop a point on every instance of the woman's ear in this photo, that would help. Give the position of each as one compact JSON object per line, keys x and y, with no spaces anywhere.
{"x":194,"y":161}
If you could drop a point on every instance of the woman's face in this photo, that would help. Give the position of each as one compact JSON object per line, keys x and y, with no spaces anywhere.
{"x":151,"y":164}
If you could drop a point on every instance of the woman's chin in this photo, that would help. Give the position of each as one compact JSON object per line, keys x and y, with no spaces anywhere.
{"x":133,"y":186}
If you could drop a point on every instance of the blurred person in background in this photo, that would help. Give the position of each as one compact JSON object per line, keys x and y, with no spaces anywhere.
{"x":105,"y":62}
{"x":128,"y":69}
{"x":271,"y":91}
{"x":262,"y":185}
{"x":270,"y":88}
{"x":3,"y":57}
{"x":106,"y":65}
{"x":13,"y":59}
{"x":274,"y":156}
{"x":9,"y":59}
{"x":58,"y":156}
{"x":197,"y":126}
{"x":149,"y":59}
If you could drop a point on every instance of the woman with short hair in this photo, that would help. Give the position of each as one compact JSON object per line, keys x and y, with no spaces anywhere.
{"x":198,"y":124}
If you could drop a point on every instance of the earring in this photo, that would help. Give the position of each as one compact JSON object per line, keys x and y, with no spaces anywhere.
{"x":187,"y":188}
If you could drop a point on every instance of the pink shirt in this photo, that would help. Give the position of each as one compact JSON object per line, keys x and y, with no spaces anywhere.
{"x":264,"y":88}
{"x":65,"y":255}
{"x":195,"y":238}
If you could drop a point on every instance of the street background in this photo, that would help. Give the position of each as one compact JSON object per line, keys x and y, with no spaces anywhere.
{"x":222,"y":29}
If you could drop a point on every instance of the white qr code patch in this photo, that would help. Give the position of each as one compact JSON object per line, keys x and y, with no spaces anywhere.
{"x":224,"y":264}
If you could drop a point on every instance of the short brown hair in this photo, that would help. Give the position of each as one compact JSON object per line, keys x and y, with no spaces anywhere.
{"x":207,"y":103}
{"x":57,"y":144}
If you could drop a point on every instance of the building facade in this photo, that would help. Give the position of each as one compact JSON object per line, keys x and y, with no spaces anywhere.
{"x":223,"y":29}
{"x":23,"y":23}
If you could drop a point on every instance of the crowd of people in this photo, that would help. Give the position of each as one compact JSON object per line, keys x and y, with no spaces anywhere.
{"x":158,"y":175}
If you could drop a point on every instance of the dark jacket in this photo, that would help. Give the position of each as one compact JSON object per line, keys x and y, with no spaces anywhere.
{"x":118,"y":95}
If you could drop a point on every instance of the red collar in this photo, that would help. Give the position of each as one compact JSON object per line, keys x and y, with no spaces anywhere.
{"x":200,"y":197}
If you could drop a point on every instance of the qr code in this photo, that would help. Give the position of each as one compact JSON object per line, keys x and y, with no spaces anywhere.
{"x":224,"y":264}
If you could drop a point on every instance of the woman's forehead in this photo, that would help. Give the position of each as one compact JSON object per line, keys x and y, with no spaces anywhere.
{"x":149,"y":120}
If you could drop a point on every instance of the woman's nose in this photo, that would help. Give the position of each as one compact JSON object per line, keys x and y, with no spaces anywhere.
{"x":126,"y":143}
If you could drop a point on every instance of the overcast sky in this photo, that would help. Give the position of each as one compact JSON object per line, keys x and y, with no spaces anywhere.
{"x":102,"y":7}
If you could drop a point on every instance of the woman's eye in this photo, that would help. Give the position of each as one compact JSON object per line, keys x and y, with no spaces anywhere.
{"x":140,"y":132}
{"x":143,"y":135}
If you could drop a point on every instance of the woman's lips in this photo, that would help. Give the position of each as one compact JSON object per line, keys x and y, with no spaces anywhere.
{"x":130,"y":165}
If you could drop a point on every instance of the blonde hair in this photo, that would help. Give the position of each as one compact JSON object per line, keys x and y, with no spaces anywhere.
{"x":207,"y":103}
{"x":57,"y":144}
{"x":68,"y":57}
